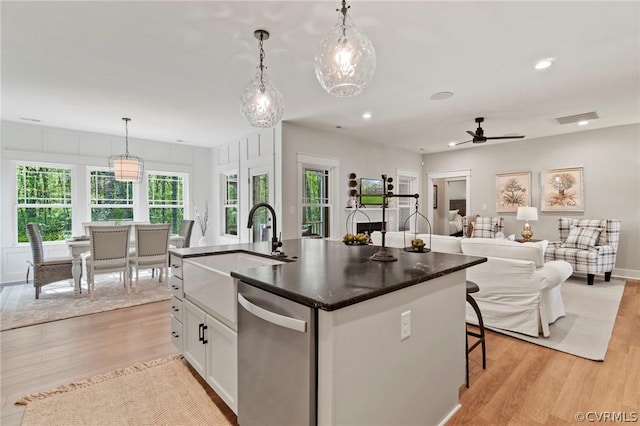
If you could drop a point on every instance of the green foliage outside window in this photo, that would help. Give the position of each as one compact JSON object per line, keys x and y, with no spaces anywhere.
{"x":166,"y":200}
{"x":231,"y":205}
{"x":43,"y":197}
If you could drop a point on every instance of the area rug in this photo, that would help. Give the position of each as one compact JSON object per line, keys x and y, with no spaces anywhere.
{"x":19,"y":308}
{"x":159,"y":392}
{"x":586,"y":328}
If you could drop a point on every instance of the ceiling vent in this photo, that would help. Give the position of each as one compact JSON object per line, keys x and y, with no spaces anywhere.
{"x":578,"y":117}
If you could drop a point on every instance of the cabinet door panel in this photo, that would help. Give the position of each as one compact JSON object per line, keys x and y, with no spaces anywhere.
{"x":193,"y":324}
{"x":222,"y":362}
{"x":176,"y":333}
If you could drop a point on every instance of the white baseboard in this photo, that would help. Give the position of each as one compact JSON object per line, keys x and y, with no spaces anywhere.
{"x":451,"y":413}
{"x":626,"y":273}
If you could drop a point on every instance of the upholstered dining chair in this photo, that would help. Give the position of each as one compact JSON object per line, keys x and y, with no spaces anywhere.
{"x":152,"y":249}
{"x":45,"y":271}
{"x":109,"y":252}
{"x":185,"y":231}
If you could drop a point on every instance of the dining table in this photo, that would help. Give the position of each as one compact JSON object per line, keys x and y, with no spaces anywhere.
{"x":79,"y":245}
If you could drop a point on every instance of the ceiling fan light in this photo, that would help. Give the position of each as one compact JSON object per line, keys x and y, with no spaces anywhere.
{"x":345,"y":62}
{"x":543,"y":64}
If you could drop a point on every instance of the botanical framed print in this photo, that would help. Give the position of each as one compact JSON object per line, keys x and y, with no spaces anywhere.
{"x":513,"y":190}
{"x":562,"y":189}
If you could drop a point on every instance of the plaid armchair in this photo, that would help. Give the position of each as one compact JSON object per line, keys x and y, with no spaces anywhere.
{"x":598,"y":259}
{"x":497,"y":225}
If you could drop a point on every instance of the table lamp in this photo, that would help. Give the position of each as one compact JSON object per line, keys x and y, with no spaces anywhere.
{"x":527,"y":214}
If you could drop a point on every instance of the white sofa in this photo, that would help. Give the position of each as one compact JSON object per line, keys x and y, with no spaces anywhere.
{"x":519,"y":291}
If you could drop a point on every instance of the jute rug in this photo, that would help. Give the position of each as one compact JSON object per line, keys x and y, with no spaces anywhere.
{"x":19,"y":308}
{"x":586,"y":328}
{"x":159,"y":392}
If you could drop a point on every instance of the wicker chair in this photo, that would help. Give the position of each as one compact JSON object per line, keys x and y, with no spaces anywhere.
{"x":45,"y":271}
{"x":152,"y":249}
{"x":109,"y":252}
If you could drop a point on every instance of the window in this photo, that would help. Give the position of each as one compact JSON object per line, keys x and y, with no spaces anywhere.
{"x":166,"y":200}
{"x":315,"y":202}
{"x":407,"y":184}
{"x":110,"y":199}
{"x":231,"y":204}
{"x":44,"y":197}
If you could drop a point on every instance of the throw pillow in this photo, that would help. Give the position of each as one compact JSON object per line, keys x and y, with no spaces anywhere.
{"x":484,"y":228}
{"x":581,"y":238}
{"x":453,"y":214}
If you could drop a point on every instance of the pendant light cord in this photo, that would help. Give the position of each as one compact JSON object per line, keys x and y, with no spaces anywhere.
{"x":262,"y":67}
{"x":344,"y":10}
{"x":126,"y":137}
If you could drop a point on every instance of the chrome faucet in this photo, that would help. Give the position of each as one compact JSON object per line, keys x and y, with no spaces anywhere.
{"x":275,"y":241}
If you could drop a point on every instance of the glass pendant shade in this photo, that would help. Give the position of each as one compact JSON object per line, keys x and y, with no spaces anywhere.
{"x":126,"y":168}
{"x":261,"y":102}
{"x":345,"y":62}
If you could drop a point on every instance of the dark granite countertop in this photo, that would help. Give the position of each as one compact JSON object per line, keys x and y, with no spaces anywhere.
{"x":330,"y":275}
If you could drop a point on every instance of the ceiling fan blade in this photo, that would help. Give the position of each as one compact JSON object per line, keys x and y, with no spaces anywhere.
{"x":505,"y":137}
{"x":472,"y":134}
{"x":460,"y":143}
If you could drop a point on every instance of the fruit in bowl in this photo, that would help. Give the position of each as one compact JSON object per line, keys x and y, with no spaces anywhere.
{"x":362,"y":239}
{"x":348,"y":238}
{"x":417,"y":243}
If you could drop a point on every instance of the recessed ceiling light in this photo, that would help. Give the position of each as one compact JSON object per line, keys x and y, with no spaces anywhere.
{"x":366,"y":115}
{"x":338,"y":127}
{"x":543,"y":64}
{"x":441,"y":95}
{"x":583,"y":122}
{"x":452,"y":144}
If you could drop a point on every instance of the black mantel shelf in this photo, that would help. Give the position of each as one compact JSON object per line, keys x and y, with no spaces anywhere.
{"x":330,"y":275}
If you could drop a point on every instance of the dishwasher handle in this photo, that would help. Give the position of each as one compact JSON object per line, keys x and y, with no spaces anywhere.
{"x":272,"y":317}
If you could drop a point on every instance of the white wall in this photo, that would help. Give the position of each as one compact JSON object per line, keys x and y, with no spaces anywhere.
{"x":364,"y":159}
{"x":611,"y":161}
{"x":27,"y":142}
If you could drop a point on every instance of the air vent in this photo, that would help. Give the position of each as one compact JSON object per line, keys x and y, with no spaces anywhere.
{"x":578,"y":117}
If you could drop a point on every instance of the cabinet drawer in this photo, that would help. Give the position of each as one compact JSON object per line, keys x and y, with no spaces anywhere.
{"x":176,"y":308}
{"x":176,"y":266}
{"x":175,"y":284}
{"x":176,"y":333}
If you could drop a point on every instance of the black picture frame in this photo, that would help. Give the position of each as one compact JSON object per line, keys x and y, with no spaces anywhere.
{"x":435,"y":197}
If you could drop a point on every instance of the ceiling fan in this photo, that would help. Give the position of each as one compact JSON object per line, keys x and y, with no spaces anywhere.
{"x":479,"y":137}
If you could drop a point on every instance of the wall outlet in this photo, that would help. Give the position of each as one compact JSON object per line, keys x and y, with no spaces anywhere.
{"x":405,"y":325}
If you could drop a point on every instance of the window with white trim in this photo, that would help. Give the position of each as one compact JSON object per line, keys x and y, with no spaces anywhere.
{"x":230,"y":205}
{"x":316,"y":204}
{"x":166,"y":199}
{"x":43,"y":196}
{"x":110,"y":200}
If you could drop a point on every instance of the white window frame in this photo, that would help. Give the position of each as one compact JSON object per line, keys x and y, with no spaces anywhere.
{"x":134,"y":197}
{"x":224,"y":205}
{"x":57,"y":205}
{"x":306,"y":161}
{"x":403,"y":203}
{"x":185,"y":191}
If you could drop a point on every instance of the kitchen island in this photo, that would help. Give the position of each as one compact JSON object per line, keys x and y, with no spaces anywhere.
{"x":380,"y":342}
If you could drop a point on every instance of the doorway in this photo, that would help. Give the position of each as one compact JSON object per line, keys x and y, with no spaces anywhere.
{"x":447,"y":192}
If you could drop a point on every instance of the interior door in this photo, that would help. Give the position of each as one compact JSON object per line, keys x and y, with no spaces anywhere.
{"x":261,"y":191}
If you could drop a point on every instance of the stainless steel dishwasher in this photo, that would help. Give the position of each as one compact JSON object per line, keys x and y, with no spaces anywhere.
{"x":277,"y":364}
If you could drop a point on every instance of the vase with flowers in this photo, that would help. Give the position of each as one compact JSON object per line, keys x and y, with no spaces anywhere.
{"x":203,"y":223}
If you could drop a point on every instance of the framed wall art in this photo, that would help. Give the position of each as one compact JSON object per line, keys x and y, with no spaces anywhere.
{"x":513,"y":190}
{"x":562,"y":189}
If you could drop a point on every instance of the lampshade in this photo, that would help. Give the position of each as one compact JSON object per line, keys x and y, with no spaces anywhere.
{"x":527,"y":213}
{"x":126,"y":168}
{"x":345,"y":62}
{"x":261,"y":102}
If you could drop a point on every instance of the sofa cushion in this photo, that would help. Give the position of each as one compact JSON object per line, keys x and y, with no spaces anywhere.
{"x":484,"y":227}
{"x":566,"y":223}
{"x":442,"y":243}
{"x":491,"y":247}
{"x":582,"y":238}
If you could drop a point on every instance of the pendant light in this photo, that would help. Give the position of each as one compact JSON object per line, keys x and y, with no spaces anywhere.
{"x":126,"y":168}
{"x":261,"y":102}
{"x":346,"y":60}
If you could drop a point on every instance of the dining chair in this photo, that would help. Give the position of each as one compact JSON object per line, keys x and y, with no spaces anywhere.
{"x":108,"y":252}
{"x":45,"y":271}
{"x":185,"y":231}
{"x":152,"y":249}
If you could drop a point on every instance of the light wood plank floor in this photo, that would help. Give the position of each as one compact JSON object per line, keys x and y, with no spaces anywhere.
{"x":523,"y":383}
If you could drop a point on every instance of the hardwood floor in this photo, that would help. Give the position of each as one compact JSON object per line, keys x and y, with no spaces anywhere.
{"x":523,"y":383}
